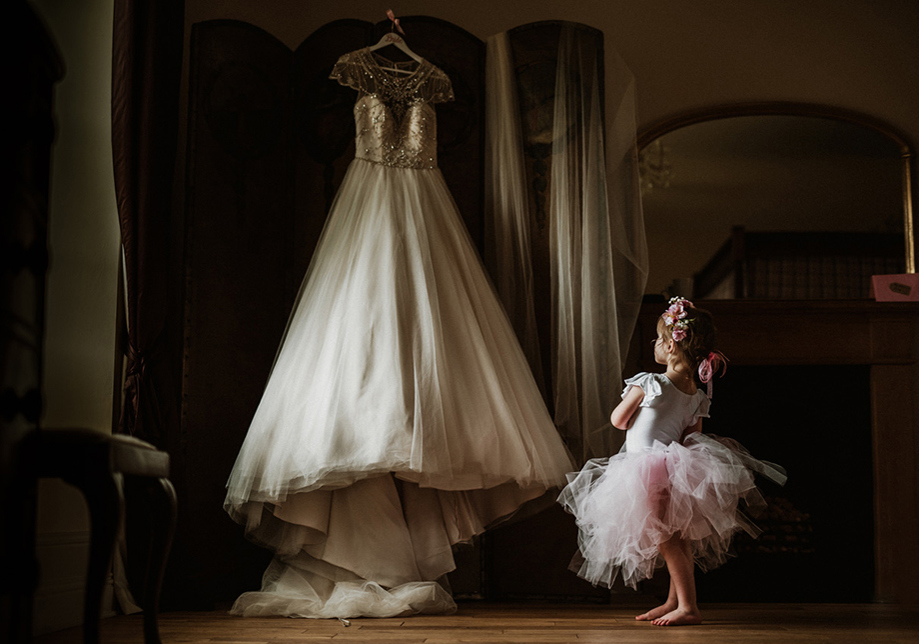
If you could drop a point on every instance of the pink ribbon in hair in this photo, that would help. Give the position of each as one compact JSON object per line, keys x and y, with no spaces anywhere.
{"x":707,"y":368}
{"x":395,"y":21}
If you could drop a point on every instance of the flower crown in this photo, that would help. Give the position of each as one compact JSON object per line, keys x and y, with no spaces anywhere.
{"x":675,"y":317}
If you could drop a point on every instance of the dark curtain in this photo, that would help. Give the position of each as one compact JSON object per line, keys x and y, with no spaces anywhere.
{"x":146,"y":73}
{"x":147,"y":48}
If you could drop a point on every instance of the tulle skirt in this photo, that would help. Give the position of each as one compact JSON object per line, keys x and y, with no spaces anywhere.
{"x":625,"y":506}
{"x":401,"y":416}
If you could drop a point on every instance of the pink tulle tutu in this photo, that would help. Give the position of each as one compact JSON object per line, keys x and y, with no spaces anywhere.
{"x":628,"y":504}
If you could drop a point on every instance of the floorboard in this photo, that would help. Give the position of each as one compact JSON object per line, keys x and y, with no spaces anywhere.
{"x":537,"y":624}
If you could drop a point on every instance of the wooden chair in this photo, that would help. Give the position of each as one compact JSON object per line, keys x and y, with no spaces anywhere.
{"x":96,"y":463}
{"x":101,"y":466}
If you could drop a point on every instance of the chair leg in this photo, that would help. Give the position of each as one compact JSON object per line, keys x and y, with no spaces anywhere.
{"x":105,"y":501}
{"x":163,"y":500}
{"x":20,"y":575}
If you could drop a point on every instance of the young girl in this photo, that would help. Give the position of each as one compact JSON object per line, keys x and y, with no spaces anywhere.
{"x":671,"y":495}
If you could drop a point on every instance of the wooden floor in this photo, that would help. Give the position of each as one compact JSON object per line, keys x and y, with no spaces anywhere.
{"x":538,"y":624}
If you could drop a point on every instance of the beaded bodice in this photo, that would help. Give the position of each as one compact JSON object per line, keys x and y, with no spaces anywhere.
{"x":394,"y":113}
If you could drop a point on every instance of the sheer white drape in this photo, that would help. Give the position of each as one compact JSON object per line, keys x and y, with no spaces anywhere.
{"x":507,"y":212}
{"x":596,"y":231}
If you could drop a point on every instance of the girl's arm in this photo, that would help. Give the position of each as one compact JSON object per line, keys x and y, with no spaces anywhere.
{"x":625,"y":411}
{"x":695,"y":427}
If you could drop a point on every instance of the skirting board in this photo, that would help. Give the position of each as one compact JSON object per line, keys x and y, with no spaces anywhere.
{"x":62,"y":559}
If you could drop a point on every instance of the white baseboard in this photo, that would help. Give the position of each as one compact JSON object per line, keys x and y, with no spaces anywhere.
{"x":58,"y":603}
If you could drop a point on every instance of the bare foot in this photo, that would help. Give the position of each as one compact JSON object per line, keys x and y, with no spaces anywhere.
{"x":654,"y":613}
{"x":679,"y":617}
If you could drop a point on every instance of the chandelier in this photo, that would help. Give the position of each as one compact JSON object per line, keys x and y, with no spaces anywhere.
{"x":654,"y":168}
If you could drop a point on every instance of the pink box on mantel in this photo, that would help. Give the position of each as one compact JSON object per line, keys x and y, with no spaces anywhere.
{"x":895,"y":288}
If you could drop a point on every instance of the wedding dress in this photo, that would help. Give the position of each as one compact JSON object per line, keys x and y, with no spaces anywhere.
{"x":401,"y":416}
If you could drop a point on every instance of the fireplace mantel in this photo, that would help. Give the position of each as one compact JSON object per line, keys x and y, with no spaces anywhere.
{"x":882,"y":336}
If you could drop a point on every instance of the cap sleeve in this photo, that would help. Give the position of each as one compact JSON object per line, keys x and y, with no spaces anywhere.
{"x":348,"y":72}
{"x":438,"y":88}
{"x":648,"y":383}
{"x":702,"y":410}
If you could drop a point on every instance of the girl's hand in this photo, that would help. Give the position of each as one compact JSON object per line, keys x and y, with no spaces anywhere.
{"x":624,"y":412}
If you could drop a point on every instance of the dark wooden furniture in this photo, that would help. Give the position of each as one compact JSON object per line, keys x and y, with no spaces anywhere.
{"x":102,"y":467}
{"x":798,"y":265}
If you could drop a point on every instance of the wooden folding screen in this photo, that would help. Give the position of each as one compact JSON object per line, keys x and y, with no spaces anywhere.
{"x":269,"y":139}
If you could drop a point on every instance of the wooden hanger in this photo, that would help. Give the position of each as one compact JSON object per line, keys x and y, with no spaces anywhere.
{"x":398,"y":42}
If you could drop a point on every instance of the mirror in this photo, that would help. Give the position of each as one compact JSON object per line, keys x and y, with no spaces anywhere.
{"x":779,"y":206}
